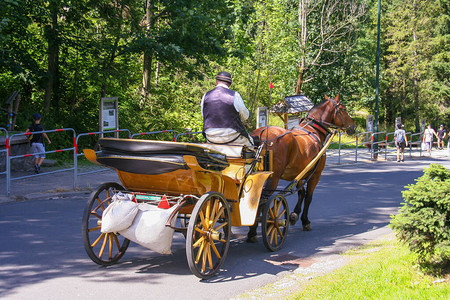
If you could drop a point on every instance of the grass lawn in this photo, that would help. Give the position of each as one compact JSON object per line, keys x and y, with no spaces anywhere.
{"x":382,"y":270}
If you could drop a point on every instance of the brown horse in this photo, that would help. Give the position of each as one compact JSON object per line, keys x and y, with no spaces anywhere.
{"x":294,"y":149}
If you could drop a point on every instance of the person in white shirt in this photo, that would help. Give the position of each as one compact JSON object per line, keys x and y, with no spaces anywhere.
{"x":428,"y":137}
{"x":223,"y":111}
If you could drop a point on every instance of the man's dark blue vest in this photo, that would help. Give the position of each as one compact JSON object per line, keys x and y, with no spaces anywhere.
{"x":219,"y":111}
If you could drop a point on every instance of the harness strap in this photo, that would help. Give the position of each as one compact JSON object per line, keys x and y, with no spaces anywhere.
{"x":320,"y":126}
{"x":309,"y":133}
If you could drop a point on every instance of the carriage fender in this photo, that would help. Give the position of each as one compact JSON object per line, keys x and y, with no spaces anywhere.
{"x":91,"y":156}
{"x":251,"y":194}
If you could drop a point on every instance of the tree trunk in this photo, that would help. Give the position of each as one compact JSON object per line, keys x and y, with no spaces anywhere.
{"x":148,"y":57}
{"x":52,"y":60}
{"x":157,"y":74}
{"x":301,"y":72}
{"x":146,"y":73}
{"x":303,"y":39}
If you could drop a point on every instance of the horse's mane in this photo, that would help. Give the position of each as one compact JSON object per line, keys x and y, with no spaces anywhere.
{"x":317,"y":106}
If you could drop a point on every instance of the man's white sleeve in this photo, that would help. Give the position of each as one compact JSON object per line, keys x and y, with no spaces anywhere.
{"x":240,"y":107}
{"x":201,"y":104}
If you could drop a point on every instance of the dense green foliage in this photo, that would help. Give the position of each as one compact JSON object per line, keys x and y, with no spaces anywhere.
{"x":423,"y":222}
{"x":159,"y":57}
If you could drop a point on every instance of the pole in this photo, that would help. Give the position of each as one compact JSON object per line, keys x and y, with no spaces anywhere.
{"x":377,"y":84}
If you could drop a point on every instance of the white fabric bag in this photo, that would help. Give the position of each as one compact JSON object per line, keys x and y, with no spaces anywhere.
{"x":119,"y":215}
{"x":149,"y":228}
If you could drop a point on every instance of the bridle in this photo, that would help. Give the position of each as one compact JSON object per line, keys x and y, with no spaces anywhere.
{"x":321,"y":123}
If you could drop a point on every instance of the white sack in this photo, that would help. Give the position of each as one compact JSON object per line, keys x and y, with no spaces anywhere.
{"x":119,"y":215}
{"x":149,"y":230}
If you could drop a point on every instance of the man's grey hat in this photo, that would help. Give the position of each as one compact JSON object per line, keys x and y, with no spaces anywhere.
{"x":224,"y":76}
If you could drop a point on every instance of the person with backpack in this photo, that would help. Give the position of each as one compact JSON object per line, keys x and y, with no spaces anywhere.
{"x":37,"y":142}
{"x":400,"y":142}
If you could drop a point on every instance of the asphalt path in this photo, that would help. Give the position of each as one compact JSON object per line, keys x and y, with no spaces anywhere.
{"x":42,"y":254}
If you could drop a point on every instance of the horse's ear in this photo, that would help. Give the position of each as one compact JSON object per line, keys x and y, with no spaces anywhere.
{"x":326,"y":97}
{"x":338,"y":98}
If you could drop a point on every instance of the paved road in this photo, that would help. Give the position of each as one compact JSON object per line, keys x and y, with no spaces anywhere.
{"x":42,"y":255}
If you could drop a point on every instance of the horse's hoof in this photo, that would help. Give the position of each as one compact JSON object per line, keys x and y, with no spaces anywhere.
{"x":307,"y":227}
{"x":293,"y":218}
{"x":252,"y":239}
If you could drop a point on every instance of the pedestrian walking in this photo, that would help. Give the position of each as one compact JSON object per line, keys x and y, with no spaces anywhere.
{"x":441,"y":133}
{"x":401,"y":142}
{"x":428,"y":137}
{"x":37,"y":142}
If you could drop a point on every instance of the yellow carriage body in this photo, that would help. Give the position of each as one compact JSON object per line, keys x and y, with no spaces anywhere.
{"x":174,"y":168}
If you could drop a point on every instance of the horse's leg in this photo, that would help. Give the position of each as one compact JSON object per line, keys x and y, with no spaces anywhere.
{"x":293,"y":217}
{"x":309,"y":194}
{"x":305,"y":221}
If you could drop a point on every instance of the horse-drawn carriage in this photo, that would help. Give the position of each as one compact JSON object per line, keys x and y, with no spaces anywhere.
{"x":207,"y":187}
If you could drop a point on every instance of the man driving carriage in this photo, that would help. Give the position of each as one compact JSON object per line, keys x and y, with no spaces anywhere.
{"x":223,"y":111}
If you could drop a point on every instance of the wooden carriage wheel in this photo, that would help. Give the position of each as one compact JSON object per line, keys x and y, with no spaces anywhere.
{"x":208,"y":235}
{"x":275,"y":222}
{"x":103,"y":248}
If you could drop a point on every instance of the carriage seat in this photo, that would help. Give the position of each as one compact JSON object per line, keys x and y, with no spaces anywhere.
{"x":232,"y":151}
{"x":156,"y":157}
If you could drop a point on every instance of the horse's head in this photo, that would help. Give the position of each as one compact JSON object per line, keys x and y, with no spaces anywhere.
{"x":332,"y":112}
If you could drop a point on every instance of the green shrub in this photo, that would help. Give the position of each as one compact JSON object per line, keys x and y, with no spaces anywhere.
{"x":423,"y":222}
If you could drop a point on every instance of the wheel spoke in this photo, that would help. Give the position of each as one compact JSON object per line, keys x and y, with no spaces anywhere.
{"x":218,"y":215}
{"x":102,"y":249}
{"x":205,"y":254}
{"x":117,"y":242}
{"x":272,"y":216}
{"x":195,"y":245}
{"x":284,"y":210}
{"x":221,"y":226}
{"x":95,"y":228}
{"x":97,"y":240}
{"x":213,"y":246}
{"x":278,"y":207}
{"x":280,"y":233}
{"x":202,"y":217}
{"x":100,"y":202}
{"x":269,"y":233}
{"x":275,"y":207}
{"x":208,"y":211}
{"x":199,"y":230}
{"x":209,"y":257}
{"x":276,"y":236}
{"x":199,"y":253}
{"x":213,"y":212}
{"x":96,"y":215}
{"x":110,"y":245}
